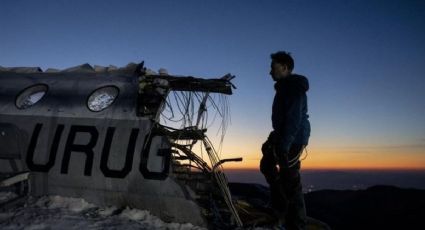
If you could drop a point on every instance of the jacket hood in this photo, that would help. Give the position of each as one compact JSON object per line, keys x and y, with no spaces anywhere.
{"x":295,"y":82}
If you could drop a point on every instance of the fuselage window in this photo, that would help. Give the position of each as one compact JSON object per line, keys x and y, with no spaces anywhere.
{"x":30,"y":96}
{"x":102,"y":98}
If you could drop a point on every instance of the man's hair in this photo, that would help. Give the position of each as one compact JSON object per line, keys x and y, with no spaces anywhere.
{"x":283,"y":58}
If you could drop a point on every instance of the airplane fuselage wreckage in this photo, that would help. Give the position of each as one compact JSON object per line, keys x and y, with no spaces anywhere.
{"x":116,"y":136}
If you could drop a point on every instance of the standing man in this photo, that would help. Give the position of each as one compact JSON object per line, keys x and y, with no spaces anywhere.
{"x":291,"y":130}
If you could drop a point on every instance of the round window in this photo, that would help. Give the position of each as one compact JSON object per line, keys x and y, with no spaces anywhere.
{"x":30,"y":96}
{"x":102,"y":98}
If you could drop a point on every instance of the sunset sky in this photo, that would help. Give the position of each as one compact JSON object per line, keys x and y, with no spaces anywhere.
{"x":365,"y":60}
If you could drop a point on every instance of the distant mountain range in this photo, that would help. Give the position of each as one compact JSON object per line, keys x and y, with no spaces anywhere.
{"x":377,"y":207}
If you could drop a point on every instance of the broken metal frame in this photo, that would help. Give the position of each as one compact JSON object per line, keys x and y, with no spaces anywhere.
{"x":16,"y":182}
{"x":160,"y":86}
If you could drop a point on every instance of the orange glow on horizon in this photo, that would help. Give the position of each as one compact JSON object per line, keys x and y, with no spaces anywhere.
{"x":345,"y":159}
{"x":338,"y":168}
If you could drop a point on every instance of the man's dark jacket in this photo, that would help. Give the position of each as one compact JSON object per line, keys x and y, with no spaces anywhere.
{"x":289,"y":114}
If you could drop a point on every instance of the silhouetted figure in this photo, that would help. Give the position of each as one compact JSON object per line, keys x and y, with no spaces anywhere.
{"x":291,"y":130}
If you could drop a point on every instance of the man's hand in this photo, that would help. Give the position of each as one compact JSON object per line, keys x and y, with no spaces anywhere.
{"x":276,"y":140}
{"x":280,"y":151}
{"x":268,"y":149}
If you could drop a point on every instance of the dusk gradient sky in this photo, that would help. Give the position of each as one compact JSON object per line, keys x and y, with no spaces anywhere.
{"x":365,"y":61}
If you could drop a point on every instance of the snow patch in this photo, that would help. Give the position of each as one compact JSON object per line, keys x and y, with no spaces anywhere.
{"x":73,"y":204}
{"x":135,"y":214}
{"x":107,"y":211}
{"x":37,"y":227}
{"x":56,"y":212}
{"x":5,"y":196}
{"x":144,"y":217}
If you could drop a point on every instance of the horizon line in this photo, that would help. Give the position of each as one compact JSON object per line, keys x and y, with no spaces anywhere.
{"x":334,"y":169}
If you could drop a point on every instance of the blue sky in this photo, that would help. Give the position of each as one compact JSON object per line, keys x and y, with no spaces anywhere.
{"x":365,"y":60}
